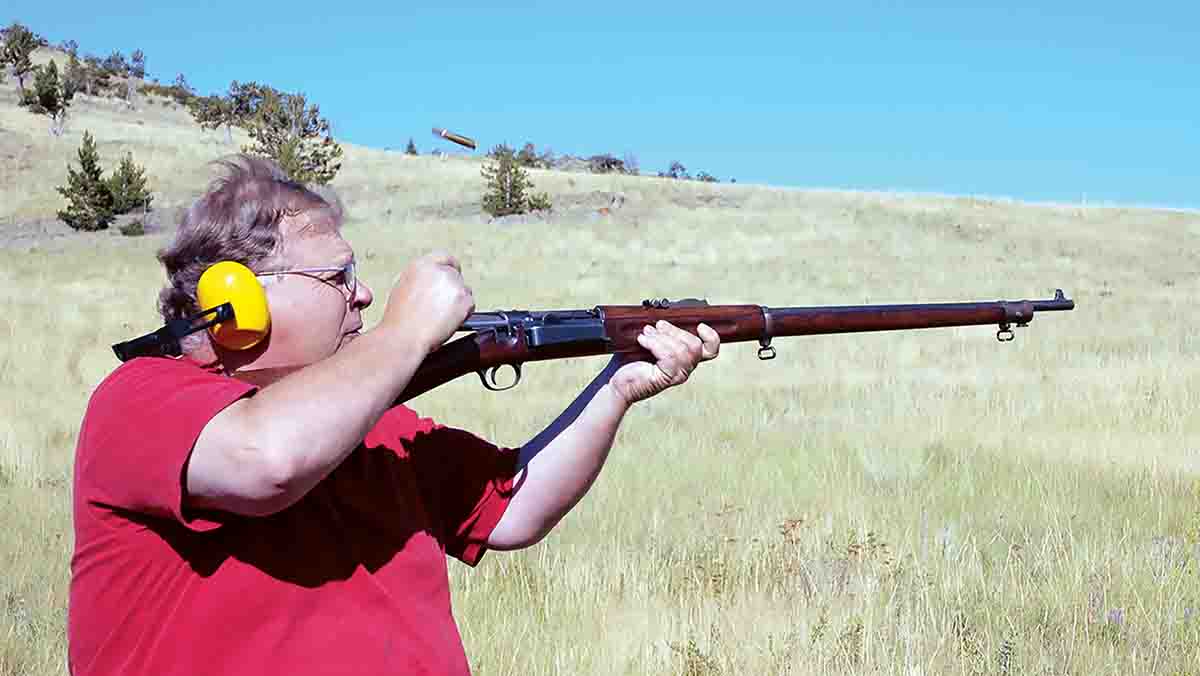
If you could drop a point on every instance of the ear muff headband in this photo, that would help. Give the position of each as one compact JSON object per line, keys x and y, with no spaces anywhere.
{"x":234,"y":311}
{"x":234,"y":283}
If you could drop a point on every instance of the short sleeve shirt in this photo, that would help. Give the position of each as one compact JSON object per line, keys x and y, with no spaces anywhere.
{"x":351,"y":579}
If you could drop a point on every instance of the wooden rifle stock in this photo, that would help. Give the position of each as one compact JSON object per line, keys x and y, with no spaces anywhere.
{"x":511,"y":338}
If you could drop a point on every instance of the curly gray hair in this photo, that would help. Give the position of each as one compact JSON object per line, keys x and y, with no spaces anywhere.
{"x":237,"y":218}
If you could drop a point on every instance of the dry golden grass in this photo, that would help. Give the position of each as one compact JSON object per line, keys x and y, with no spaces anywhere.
{"x":909,"y":503}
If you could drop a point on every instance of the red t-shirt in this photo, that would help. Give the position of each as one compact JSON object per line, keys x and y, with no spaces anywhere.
{"x":351,"y":579}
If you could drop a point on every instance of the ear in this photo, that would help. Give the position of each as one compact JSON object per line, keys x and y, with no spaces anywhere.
{"x":234,"y":283}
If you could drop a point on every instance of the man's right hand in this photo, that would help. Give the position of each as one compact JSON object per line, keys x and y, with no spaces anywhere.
{"x":429,"y":301}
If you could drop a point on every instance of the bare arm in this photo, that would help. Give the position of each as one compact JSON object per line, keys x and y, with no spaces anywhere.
{"x":264,"y":453}
{"x":560,"y":464}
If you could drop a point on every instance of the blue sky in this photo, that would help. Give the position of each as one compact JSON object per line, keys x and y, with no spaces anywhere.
{"x":1083,"y":100}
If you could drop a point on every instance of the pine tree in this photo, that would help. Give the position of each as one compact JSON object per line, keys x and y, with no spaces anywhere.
{"x":50,"y":96}
{"x":89,"y":199}
{"x":128,"y":187}
{"x":508,"y":186}
{"x":282,"y":126}
{"x":19,"y":43}
{"x":183,"y":89}
{"x":528,"y":156}
{"x":137,"y":65}
{"x":245,"y":99}
{"x":116,"y":64}
{"x":96,"y":78}
{"x":214,"y":112}
{"x":75,"y":75}
{"x":411,"y":148}
{"x":676,"y":171}
{"x":286,"y":129}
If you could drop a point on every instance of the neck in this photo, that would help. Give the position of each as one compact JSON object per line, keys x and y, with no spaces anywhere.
{"x":236,"y":365}
{"x":264,"y":376}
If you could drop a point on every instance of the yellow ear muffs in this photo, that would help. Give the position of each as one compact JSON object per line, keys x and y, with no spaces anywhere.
{"x":234,"y":283}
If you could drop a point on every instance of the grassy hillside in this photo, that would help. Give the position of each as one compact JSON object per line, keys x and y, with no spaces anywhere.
{"x":916,"y":503}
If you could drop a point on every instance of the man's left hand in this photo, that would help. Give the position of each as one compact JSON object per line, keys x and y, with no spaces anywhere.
{"x":676,"y":352}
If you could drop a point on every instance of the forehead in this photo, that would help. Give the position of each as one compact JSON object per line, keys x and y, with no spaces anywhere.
{"x":313,"y":241}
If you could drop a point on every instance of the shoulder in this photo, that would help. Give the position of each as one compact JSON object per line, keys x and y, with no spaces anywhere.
{"x":151,"y":377}
{"x":148,"y":388}
{"x":141,"y":370}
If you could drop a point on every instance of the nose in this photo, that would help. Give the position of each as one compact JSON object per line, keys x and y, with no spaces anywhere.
{"x":362,"y":296}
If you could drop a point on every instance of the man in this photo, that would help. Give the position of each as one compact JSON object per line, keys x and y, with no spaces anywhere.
{"x":270,"y":510}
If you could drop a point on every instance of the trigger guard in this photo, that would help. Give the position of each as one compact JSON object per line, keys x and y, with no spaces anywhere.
{"x":488,"y":377}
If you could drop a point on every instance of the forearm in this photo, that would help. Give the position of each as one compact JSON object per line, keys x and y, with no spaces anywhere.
{"x":310,"y":420}
{"x":560,"y":465}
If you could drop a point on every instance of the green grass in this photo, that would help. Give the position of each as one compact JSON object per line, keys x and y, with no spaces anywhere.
{"x":922,"y":502}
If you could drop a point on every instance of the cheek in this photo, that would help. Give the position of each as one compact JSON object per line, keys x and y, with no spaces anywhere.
{"x":312,"y":329}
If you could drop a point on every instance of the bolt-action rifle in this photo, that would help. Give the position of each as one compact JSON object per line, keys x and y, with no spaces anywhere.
{"x":511,"y":338}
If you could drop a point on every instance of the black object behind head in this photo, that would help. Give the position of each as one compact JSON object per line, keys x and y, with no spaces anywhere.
{"x":165,"y":341}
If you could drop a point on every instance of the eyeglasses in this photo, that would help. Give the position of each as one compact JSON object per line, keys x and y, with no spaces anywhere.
{"x":348,"y":282}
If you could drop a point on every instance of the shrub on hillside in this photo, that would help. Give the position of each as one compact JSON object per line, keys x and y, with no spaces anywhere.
{"x":528,"y":157}
{"x":116,"y":64}
{"x":676,"y":171}
{"x":97,"y":80}
{"x":236,"y":108}
{"x":679,"y":172}
{"x":508,"y":188}
{"x":214,"y":112}
{"x":540,"y":202}
{"x":179,"y":91}
{"x":500,"y":151}
{"x":75,"y":75}
{"x":173,"y":92}
{"x":182,"y":84}
{"x":89,"y":198}
{"x":606,"y":164}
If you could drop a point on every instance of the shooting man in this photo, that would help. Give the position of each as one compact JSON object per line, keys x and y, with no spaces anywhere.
{"x":270,"y":509}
